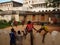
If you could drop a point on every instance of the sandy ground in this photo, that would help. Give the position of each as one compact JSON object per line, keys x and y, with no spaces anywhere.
{"x":5,"y":39}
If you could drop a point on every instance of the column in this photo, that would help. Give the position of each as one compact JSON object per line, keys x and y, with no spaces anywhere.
{"x":46,"y":18}
{"x":21,"y":18}
{"x":16,"y":17}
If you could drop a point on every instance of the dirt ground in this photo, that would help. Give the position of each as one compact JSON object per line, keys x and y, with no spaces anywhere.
{"x":22,"y":27}
{"x":5,"y":39}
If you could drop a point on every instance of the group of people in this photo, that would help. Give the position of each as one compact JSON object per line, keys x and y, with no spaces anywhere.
{"x":15,"y":37}
{"x":29,"y":29}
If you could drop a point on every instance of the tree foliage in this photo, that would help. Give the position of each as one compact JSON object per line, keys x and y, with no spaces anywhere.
{"x":53,"y":3}
{"x":1,"y":10}
{"x":56,"y":1}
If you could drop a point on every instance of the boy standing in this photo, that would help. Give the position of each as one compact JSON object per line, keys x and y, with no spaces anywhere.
{"x":12,"y":37}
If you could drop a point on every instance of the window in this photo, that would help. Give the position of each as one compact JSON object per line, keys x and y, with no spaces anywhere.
{"x":33,"y":17}
{"x":41,"y":5}
{"x":42,"y":17}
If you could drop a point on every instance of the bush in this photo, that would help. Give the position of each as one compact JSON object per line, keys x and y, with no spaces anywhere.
{"x":4,"y":24}
{"x":19,"y":23}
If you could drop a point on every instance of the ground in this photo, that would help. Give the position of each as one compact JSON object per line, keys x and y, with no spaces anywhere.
{"x":22,"y":27}
{"x":4,"y":33}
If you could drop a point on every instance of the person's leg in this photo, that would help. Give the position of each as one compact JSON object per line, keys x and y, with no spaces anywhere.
{"x":11,"y":43}
{"x":40,"y":30}
{"x":31,"y":37}
{"x":25,"y":34}
{"x":14,"y":43}
{"x":43,"y":40}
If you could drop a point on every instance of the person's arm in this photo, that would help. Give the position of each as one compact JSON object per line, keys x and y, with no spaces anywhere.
{"x":10,"y":35}
{"x":25,"y":31}
{"x":34,"y":28}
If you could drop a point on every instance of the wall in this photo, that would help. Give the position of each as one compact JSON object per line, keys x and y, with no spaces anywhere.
{"x":16,"y":17}
{"x":6,"y":6}
{"x":5,"y":17}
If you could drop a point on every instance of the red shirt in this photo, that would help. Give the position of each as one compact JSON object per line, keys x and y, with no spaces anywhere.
{"x":15,"y":23}
{"x":29,"y":27}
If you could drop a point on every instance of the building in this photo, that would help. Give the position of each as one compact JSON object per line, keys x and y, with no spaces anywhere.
{"x":11,"y":5}
{"x":7,"y":8}
{"x":38,"y":5}
{"x":32,"y":10}
{"x":42,"y":6}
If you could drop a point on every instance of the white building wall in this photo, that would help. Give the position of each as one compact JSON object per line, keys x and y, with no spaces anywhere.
{"x":6,"y":6}
{"x":16,"y":8}
{"x":5,"y":17}
{"x":9,"y":6}
{"x":38,"y":1}
{"x":16,"y":17}
{"x":29,"y":6}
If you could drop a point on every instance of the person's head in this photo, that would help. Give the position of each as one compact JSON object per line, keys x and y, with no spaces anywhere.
{"x":19,"y":32}
{"x":42,"y":24}
{"x":12,"y":30}
{"x":29,"y":22}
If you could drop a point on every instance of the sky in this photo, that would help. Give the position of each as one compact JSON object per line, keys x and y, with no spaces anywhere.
{"x":10,"y":0}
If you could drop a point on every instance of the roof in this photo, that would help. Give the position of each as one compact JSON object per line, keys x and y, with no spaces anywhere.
{"x":11,"y":1}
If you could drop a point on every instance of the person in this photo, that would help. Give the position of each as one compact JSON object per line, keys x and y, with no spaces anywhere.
{"x":19,"y":38}
{"x":23,"y":21}
{"x":24,"y":34}
{"x":12,"y":24}
{"x":12,"y":37}
{"x":29,"y":29}
{"x":15,"y":23}
{"x":43,"y":27}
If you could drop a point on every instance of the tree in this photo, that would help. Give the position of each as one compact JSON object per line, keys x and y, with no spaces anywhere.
{"x":52,"y":3}
{"x":1,"y":10}
{"x":56,"y":0}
